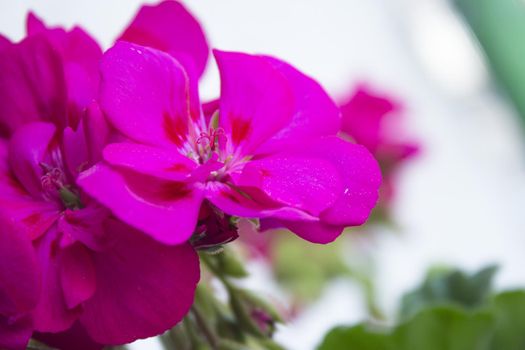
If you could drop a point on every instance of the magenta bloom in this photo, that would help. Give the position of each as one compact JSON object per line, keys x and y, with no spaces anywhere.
{"x":73,"y":272}
{"x":374,"y":122}
{"x":267,"y":149}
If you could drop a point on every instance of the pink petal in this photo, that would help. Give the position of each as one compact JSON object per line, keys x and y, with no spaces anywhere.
{"x":80,"y":55}
{"x":361,"y":180}
{"x":29,"y":215}
{"x":249,"y":202}
{"x":143,"y":287}
{"x":82,"y":147}
{"x":19,"y":275}
{"x":256,"y":100}
{"x":77,"y":275}
{"x":52,"y":313}
{"x":34,"y":24}
{"x":161,"y":115}
{"x":363,"y":116}
{"x":4,"y":42}
{"x":32,"y":84}
{"x":75,"y":338}
{"x":169,"y":27}
{"x":315,"y":114}
{"x":315,"y":232}
{"x":28,"y":148}
{"x":209,"y":108}
{"x":166,"y":210}
{"x":154,"y":161}
{"x":97,"y":132}
{"x":309,"y":184}
{"x":75,"y":150}
{"x":15,"y":332}
{"x":86,"y":226}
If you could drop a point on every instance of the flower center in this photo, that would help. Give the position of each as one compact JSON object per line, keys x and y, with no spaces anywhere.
{"x":211,"y":140}
{"x":55,"y":188}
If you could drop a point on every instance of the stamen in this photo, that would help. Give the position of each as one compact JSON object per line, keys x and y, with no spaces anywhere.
{"x":54,"y":186}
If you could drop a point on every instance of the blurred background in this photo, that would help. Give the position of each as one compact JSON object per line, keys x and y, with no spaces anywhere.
{"x":460,"y":202}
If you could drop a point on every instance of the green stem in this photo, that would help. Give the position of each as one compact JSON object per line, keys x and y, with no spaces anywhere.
{"x":204,"y":327}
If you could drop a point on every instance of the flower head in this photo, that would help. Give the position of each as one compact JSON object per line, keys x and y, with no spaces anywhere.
{"x":266,"y":149}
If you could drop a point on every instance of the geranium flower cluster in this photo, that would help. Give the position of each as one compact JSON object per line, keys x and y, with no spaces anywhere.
{"x":113,"y":174}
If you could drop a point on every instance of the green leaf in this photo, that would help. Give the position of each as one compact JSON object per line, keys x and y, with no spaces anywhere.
{"x":437,"y":328}
{"x":444,"y":328}
{"x":359,"y":337}
{"x":499,"y":26}
{"x":509,"y":311}
{"x":445,"y":286}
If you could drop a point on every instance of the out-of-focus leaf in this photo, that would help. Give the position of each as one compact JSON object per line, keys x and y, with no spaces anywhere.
{"x":436,"y":328}
{"x":444,"y":328}
{"x":359,"y":337}
{"x":445,"y":286}
{"x":499,"y":26}
{"x":509,"y":311}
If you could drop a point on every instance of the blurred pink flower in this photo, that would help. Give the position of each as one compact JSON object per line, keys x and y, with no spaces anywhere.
{"x":375,"y":122}
{"x":267,"y":149}
{"x":97,"y":278}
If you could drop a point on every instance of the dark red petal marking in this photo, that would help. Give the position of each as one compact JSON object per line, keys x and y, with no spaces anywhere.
{"x":170,"y":191}
{"x":175,"y":128}
{"x":32,"y":219}
{"x":231,"y":196}
{"x":240,"y":129}
{"x":178,"y":167}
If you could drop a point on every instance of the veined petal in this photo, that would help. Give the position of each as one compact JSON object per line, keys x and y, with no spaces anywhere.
{"x":148,"y":160}
{"x":145,"y":94}
{"x":309,"y":184}
{"x":315,"y":113}
{"x":256,"y":100}
{"x":251,"y":203}
{"x":170,"y":27}
{"x":143,"y":287}
{"x":361,"y":180}
{"x":166,"y":210}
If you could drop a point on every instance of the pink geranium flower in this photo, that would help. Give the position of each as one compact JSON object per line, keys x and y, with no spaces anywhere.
{"x":98,"y":280}
{"x":375,"y":122}
{"x":267,"y":149}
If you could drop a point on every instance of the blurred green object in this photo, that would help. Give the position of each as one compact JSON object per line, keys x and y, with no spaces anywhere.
{"x":499,"y":26}
{"x":437,"y":328}
{"x":451,"y":310}
{"x":499,"y":325}
{"x":449,"y":286}
{"x":303,"y":268}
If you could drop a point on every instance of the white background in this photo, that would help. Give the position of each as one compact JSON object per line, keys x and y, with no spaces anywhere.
{"x":461,"y":202}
